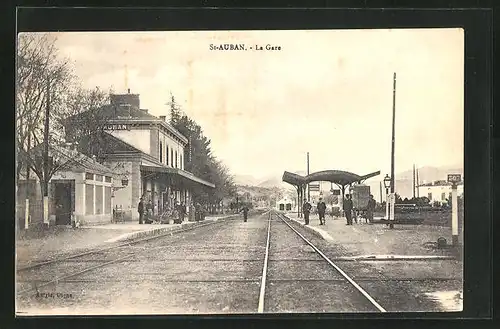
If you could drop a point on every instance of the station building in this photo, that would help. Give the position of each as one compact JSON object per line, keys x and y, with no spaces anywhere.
{"x":147,"y":155}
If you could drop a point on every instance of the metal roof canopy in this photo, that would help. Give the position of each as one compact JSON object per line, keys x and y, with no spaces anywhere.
{"x":338,"y":177}
{"x":176,"y":171}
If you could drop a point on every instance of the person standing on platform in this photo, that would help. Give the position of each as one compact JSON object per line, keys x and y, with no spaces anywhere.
{"x":321,"y":211}
{"x":245,"y":213}
{"x":370,"y":209}
{"x":306,"y":209}
{"x":348,"y":209}
{"x":140,"y":210}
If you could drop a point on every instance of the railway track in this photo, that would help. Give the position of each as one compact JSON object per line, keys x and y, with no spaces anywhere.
{"x":265,"y":283}
{"x":81,"y":259}
{"x":265,"y":265}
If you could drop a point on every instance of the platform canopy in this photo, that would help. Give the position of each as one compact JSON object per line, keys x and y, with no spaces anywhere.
{"x":294,"y":179}
{"x":338,"y":177}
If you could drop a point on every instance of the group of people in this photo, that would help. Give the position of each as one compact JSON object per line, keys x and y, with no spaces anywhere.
{"x":347,"y":207}
{"x":147,"y":212}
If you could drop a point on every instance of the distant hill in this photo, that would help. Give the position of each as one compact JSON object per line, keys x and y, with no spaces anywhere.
{"x":245,"y":180}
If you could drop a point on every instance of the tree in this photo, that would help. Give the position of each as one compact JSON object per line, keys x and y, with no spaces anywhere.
{"x":43,"y":79}
{"x":199,"y":158}
{"x":86,"y":116}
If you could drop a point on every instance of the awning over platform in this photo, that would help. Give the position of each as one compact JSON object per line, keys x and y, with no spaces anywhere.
{"x":335,"y":176}
{"x":178,"y":172}
{"x":294,"y":179}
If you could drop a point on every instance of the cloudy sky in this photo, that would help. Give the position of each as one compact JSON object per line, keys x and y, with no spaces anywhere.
{"x":325,"y":92}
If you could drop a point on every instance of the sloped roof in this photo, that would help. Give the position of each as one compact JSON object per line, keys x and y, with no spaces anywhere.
{"x":335,"y":176}
{"x":74,"y":160}
{"x":116,"y":110}
{"x":109,"y":144}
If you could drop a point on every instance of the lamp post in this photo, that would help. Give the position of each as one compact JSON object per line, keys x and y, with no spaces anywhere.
{"x":387,"y":184}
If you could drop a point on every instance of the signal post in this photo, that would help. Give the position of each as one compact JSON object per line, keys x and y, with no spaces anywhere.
{"x":454,"y":179}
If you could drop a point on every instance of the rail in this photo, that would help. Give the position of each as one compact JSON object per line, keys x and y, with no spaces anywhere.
{"x":336,"y":267}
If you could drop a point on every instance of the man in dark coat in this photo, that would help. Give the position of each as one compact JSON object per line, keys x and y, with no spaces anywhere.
{"x":321,"y":211}
{"x":245,"y":213}
{"x":306,"y":209}
{"x":370,"y":209}
{"x":348,"y":209}
{"x":140,"y":210}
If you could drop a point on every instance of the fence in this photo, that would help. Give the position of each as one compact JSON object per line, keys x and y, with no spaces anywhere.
{"x":35,"y":213}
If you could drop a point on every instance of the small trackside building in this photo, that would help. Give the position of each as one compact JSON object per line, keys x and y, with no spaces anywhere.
{"x":81,"y":189}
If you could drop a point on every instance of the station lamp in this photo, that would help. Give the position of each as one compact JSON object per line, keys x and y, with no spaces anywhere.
{"x":387,"y":183}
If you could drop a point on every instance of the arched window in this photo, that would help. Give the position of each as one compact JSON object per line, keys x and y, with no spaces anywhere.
{"x":161,"y":152}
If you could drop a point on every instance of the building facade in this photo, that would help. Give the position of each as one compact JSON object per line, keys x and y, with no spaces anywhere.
{"x":439,"y":191}
{"x":147,"y":154}
{"x":81,"y":190}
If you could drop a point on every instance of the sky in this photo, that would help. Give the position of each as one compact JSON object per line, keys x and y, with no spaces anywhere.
{"x":326,"y":92}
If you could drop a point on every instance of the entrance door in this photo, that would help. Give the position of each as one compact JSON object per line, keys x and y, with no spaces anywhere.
{"x":62,"y":198}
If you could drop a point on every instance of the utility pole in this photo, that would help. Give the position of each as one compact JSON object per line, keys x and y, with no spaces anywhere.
{"x":413,"y":181}
{"x":418,"y":184}
{"x":393,"y":148}
{"x":380,"y":183}
{"x":308,"y":191}
{"x":45,"y":182}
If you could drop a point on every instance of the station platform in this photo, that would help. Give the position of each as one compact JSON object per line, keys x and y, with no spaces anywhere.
{"x":60,"y":241}
{"x":378,"y":240}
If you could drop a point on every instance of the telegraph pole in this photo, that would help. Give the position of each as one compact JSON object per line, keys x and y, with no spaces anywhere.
{"x":46,"y":158}
{"x":414,"y":181}
{"x":393,"y":148}
{"x":380,"y":183}
{"x":308,"y":191}
{"x":418,"y":184}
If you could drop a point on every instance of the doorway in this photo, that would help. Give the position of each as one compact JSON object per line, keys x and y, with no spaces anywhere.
{"x":63,"y":201}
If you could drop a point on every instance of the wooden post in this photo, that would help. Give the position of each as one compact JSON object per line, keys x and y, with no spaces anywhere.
{"x":454,"y":214}
{"x":27,"y":214}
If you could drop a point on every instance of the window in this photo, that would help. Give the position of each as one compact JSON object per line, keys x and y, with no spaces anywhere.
{"x":108,"y":179}
{"x":166,"y":155}
{"x":161,"y":152}
{"x":98,"y":178}
{"x":107,"y":200}
{"x":98,"y":200}
{"x":89,"y":176}
{"x":89,"y":199}
{"x":175,"y":159}
{"x":171,"y":157}
{"x":443,"y":196}
{"x":429,"y":196}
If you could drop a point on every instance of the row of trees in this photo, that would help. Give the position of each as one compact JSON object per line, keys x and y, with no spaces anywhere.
{"x":200,"y":159}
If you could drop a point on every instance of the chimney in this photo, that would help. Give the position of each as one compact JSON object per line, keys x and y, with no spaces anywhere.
{"x":163,"y":117}
{"x":94,"y":158}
